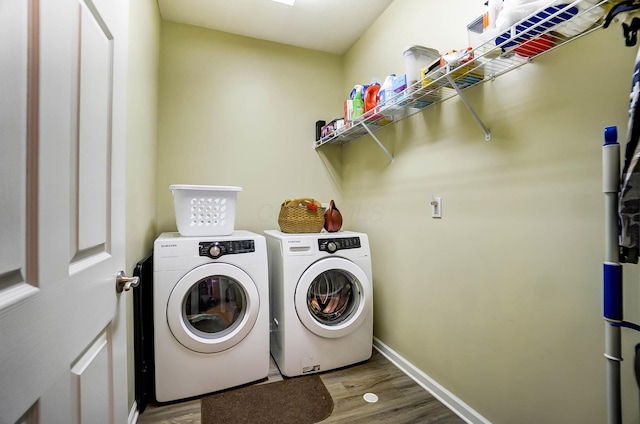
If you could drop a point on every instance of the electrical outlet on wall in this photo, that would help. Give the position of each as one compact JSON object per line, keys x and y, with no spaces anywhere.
{"x":436,"y":207}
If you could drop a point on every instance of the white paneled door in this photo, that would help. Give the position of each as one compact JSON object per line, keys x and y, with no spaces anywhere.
{"x":62,"y":139}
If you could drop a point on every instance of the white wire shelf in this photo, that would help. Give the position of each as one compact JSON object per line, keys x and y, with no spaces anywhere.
{"x":522,"y":42}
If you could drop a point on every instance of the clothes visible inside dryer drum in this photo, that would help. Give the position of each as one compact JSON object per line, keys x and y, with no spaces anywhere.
{"x":330,"y":296}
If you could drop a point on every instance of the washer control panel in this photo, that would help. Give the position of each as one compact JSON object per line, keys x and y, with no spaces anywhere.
{"x":332,"y":245}
{"x":215,"y":249}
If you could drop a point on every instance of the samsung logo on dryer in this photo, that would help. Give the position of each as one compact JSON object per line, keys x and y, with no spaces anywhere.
{"x":169,"y":245}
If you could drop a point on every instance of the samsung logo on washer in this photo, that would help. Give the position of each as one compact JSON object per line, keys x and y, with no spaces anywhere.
{"x":169,"y":245}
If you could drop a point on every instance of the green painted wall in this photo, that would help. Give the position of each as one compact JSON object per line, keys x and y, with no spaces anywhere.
{"x":144,"y":49}
{"x":500,"y":300}
{"x":241,"y":112}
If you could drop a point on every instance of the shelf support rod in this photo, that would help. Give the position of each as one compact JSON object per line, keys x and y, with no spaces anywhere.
{"x":487,"y":132}
{"x":384,"y":149}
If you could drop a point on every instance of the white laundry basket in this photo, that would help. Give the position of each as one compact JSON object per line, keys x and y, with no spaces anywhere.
{"x":205,"y":210}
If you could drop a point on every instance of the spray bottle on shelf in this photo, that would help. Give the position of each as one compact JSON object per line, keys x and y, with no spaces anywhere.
{"x":358,"y":101}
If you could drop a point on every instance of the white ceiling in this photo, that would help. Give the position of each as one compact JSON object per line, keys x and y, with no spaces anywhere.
{"x":325,"y":25}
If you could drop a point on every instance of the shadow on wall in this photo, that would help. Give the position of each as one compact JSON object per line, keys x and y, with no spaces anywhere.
{"x":331,"y":156}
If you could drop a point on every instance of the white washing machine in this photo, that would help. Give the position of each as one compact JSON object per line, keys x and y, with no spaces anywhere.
{"x":211,"y":313}
{"x":321,"y":300}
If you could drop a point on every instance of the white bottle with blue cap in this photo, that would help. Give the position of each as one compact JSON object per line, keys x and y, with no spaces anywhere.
{"x":386,"y":91}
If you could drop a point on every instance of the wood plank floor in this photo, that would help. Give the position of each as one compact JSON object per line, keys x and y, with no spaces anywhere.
{"x":401,"y":400}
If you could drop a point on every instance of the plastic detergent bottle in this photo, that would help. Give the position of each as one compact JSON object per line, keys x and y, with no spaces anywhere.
{"x":386,"y":90}
{"x":358,"y":101}
{"x":371,"y":97}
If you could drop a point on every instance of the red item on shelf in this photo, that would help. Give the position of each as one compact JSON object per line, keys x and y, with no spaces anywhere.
{"x":534,"y":46}
{"x":371,"y":97}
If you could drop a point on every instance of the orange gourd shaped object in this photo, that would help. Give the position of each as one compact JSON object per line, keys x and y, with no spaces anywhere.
{"x":332,"y":218}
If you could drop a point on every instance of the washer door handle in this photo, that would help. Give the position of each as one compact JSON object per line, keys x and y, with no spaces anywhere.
{"x":124,"y":283}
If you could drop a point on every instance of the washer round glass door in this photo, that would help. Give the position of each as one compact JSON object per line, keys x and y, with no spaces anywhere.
{"x":213,"y":307}
{"x":333,"y":297}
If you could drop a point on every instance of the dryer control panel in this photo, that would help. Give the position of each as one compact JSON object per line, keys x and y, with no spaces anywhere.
{"x":215,"y":249}
{"x":332,"y":245}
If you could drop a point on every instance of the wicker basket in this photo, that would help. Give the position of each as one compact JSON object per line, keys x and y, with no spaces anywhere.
{"x":301,"y":216}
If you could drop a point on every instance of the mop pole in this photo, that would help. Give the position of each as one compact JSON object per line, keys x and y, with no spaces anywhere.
{"x":612,"y":275}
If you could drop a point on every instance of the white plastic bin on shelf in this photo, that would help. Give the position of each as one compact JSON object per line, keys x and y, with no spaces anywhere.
{"x":415,"y":59}
{"x":203,"y":210}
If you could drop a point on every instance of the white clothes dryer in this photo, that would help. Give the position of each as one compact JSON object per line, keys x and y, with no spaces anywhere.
{"x":321,"y":300}
{"x":211,"y":313}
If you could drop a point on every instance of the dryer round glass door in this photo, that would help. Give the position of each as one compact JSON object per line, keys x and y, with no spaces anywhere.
{"x":213,"y":307}
{"x":333,"y":297}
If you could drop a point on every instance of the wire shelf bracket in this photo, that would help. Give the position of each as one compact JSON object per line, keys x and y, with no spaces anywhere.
{"x":384,"y":149}
{"x":487,"y":132}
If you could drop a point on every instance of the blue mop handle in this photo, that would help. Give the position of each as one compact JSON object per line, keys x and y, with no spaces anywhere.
{"x":613,"y":292}
{"x":610,"y":186}
{"x":612,"y":275}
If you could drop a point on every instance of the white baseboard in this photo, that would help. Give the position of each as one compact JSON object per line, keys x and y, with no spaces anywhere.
{"x":456,"y":405}
{"x":133,"y":414}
